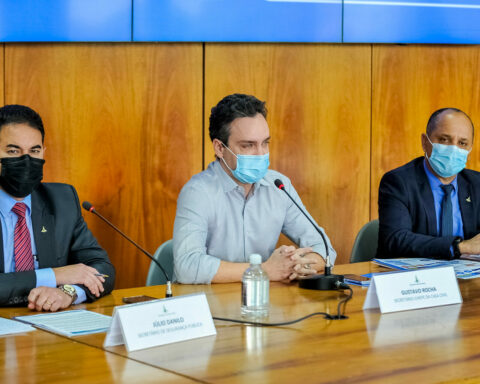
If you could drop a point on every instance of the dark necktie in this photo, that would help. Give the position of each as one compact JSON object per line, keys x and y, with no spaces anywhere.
{"x":22,"y":246}
{"x":447,"y":213}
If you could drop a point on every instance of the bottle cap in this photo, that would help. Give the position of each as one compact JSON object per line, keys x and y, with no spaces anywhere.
{"x":255,"y":258}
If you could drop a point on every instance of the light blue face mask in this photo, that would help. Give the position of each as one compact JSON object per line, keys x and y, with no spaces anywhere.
{"x":447,"y":160}
{"x":250,"y":168}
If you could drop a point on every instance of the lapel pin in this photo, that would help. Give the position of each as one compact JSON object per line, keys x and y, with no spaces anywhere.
{"x":44,"y":229}
{"x":469,"y":200}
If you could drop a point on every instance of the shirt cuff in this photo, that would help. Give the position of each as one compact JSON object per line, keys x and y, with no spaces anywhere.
{"x":81,"y":295}
{"x":46,"y":278}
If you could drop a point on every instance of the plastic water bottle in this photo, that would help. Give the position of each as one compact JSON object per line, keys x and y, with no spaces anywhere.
{"x":255,"y":289}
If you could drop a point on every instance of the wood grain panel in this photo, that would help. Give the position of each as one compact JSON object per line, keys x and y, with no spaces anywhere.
{"x":409,"y":83}
{"x":44,"y":358}
{"x":123,"y":124}
{"x":318,"y":97}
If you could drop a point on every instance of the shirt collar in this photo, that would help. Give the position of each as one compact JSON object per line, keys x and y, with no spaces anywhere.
{"x":433,"y":180}
{"x":228,"y":183}
{"x":7,"y":202}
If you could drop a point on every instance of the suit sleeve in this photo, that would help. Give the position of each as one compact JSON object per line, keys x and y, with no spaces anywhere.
{"x":397,"y":238}
{"x":85,"y":249}
{"x":16,"y":286}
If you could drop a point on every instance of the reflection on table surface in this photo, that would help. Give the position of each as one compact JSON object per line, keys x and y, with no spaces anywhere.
{"x":432,"y":345}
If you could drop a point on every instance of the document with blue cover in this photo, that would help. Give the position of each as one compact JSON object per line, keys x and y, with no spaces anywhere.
{"x":464,"y":269}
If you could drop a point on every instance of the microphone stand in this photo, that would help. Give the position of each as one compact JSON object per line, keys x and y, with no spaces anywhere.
{"x":327,"y":281}
{"x":90,"y":208}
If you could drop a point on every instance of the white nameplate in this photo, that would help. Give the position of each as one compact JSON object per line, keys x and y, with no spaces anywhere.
{"x":159,"y":322}
{"x":422,"y":288}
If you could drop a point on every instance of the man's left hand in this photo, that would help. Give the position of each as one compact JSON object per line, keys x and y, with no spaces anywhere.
{"x":307,"y":264}
{"x":48,"y":299}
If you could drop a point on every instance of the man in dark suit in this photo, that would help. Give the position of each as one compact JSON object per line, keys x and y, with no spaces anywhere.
{"x":430,"y":207}
{"x":49,"y":258}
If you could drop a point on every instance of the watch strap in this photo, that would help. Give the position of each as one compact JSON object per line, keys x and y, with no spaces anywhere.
{"x":456,"y":250}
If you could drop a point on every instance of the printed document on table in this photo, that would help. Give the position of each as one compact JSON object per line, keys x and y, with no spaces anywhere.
{"x":464,"y":268}
{"x":10,"y":327}
{"x":70,"y":323}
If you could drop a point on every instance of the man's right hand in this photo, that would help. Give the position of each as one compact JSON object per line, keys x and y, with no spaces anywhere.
{"x":80,"y":274}
{"x":279,"y":265}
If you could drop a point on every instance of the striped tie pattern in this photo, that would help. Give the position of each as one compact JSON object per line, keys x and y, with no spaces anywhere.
{"x":22,"y":246}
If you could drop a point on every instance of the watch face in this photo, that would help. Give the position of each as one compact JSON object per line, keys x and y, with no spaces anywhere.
{"x":69,"y":289}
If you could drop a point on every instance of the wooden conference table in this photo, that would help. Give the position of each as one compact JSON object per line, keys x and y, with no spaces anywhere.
{"x":426,"y":346}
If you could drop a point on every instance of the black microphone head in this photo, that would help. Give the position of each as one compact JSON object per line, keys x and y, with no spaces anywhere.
{"x":279,"y":184}
{"x":88,"y":206}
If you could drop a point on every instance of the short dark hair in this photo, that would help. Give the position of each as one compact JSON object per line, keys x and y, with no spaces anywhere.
{"x":436,"y":116}
{"x":20,"y":114}
{"x":230,"y":108}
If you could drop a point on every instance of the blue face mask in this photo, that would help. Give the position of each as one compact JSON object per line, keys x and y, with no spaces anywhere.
{"x":447,"y":160}
{"x":250,"y":168}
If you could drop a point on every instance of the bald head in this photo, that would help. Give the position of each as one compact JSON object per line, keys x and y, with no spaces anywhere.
{"x":448,"y":126}
{"x":448,"y":116}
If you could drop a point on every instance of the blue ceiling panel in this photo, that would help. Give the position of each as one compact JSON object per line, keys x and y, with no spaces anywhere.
{"x":65,"y":20}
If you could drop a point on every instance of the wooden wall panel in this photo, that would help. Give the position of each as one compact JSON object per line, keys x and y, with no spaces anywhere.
{"x":318,"y":97}
{"x":409,"y":83}
{"x":123,"y":124}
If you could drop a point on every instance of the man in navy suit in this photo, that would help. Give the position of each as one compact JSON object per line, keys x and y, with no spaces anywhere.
{"x":430,"y":207}
{"x":48,"y":257}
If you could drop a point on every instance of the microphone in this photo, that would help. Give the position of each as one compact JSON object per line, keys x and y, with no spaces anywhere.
{"x":90,"y":208}
{"x":324,"y":282}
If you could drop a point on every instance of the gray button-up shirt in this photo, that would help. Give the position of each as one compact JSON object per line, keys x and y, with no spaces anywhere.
{"x":215,"y":222}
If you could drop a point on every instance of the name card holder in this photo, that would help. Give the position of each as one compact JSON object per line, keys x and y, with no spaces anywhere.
{"x":159,"y":322}
{"x":422,"y":288}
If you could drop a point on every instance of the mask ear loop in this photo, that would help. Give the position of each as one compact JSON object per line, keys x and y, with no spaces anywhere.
{"x":224,"y":162}
{"x":425,"y":153}
{"x":229,"y":150}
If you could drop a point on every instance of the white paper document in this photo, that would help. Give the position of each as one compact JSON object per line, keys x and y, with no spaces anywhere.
{"x":10,"y":327}
{"x":70,"y":323}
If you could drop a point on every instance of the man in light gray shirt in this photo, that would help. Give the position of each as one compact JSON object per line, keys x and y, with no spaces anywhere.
{"x":233,"y":209}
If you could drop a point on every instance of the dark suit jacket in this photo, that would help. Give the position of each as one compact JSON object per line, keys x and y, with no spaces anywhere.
{"x":61,"y":238}
{"x":408,"y":223}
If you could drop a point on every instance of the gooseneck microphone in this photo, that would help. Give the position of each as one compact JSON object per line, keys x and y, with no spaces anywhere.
{"x":90,"y":208}
{"x":324,"y":282}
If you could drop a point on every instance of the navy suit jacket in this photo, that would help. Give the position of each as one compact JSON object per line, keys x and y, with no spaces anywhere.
{"x":61,"y":237}
{"x":408,"y":223}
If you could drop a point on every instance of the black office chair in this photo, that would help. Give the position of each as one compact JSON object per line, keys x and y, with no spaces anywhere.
{"x":164,"y":255}
{"x":365,"y":246}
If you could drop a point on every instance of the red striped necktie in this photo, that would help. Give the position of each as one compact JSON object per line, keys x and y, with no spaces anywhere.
{"x":22,"y":246}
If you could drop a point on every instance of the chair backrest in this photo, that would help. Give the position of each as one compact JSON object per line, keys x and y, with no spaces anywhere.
{"x":164,"y":255}
{"x":365,"y":246}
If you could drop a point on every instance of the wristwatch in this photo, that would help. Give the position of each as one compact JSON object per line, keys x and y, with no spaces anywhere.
{"x":456,"y":250}
{"x":69,"y":290}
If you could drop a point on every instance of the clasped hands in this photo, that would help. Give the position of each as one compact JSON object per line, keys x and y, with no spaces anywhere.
{"x":53,"y":299}
{"x":288,"y":262}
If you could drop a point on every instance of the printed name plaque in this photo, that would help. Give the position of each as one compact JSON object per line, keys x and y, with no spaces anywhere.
{"x":421,"y":288}
{"x":159,"y":322}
